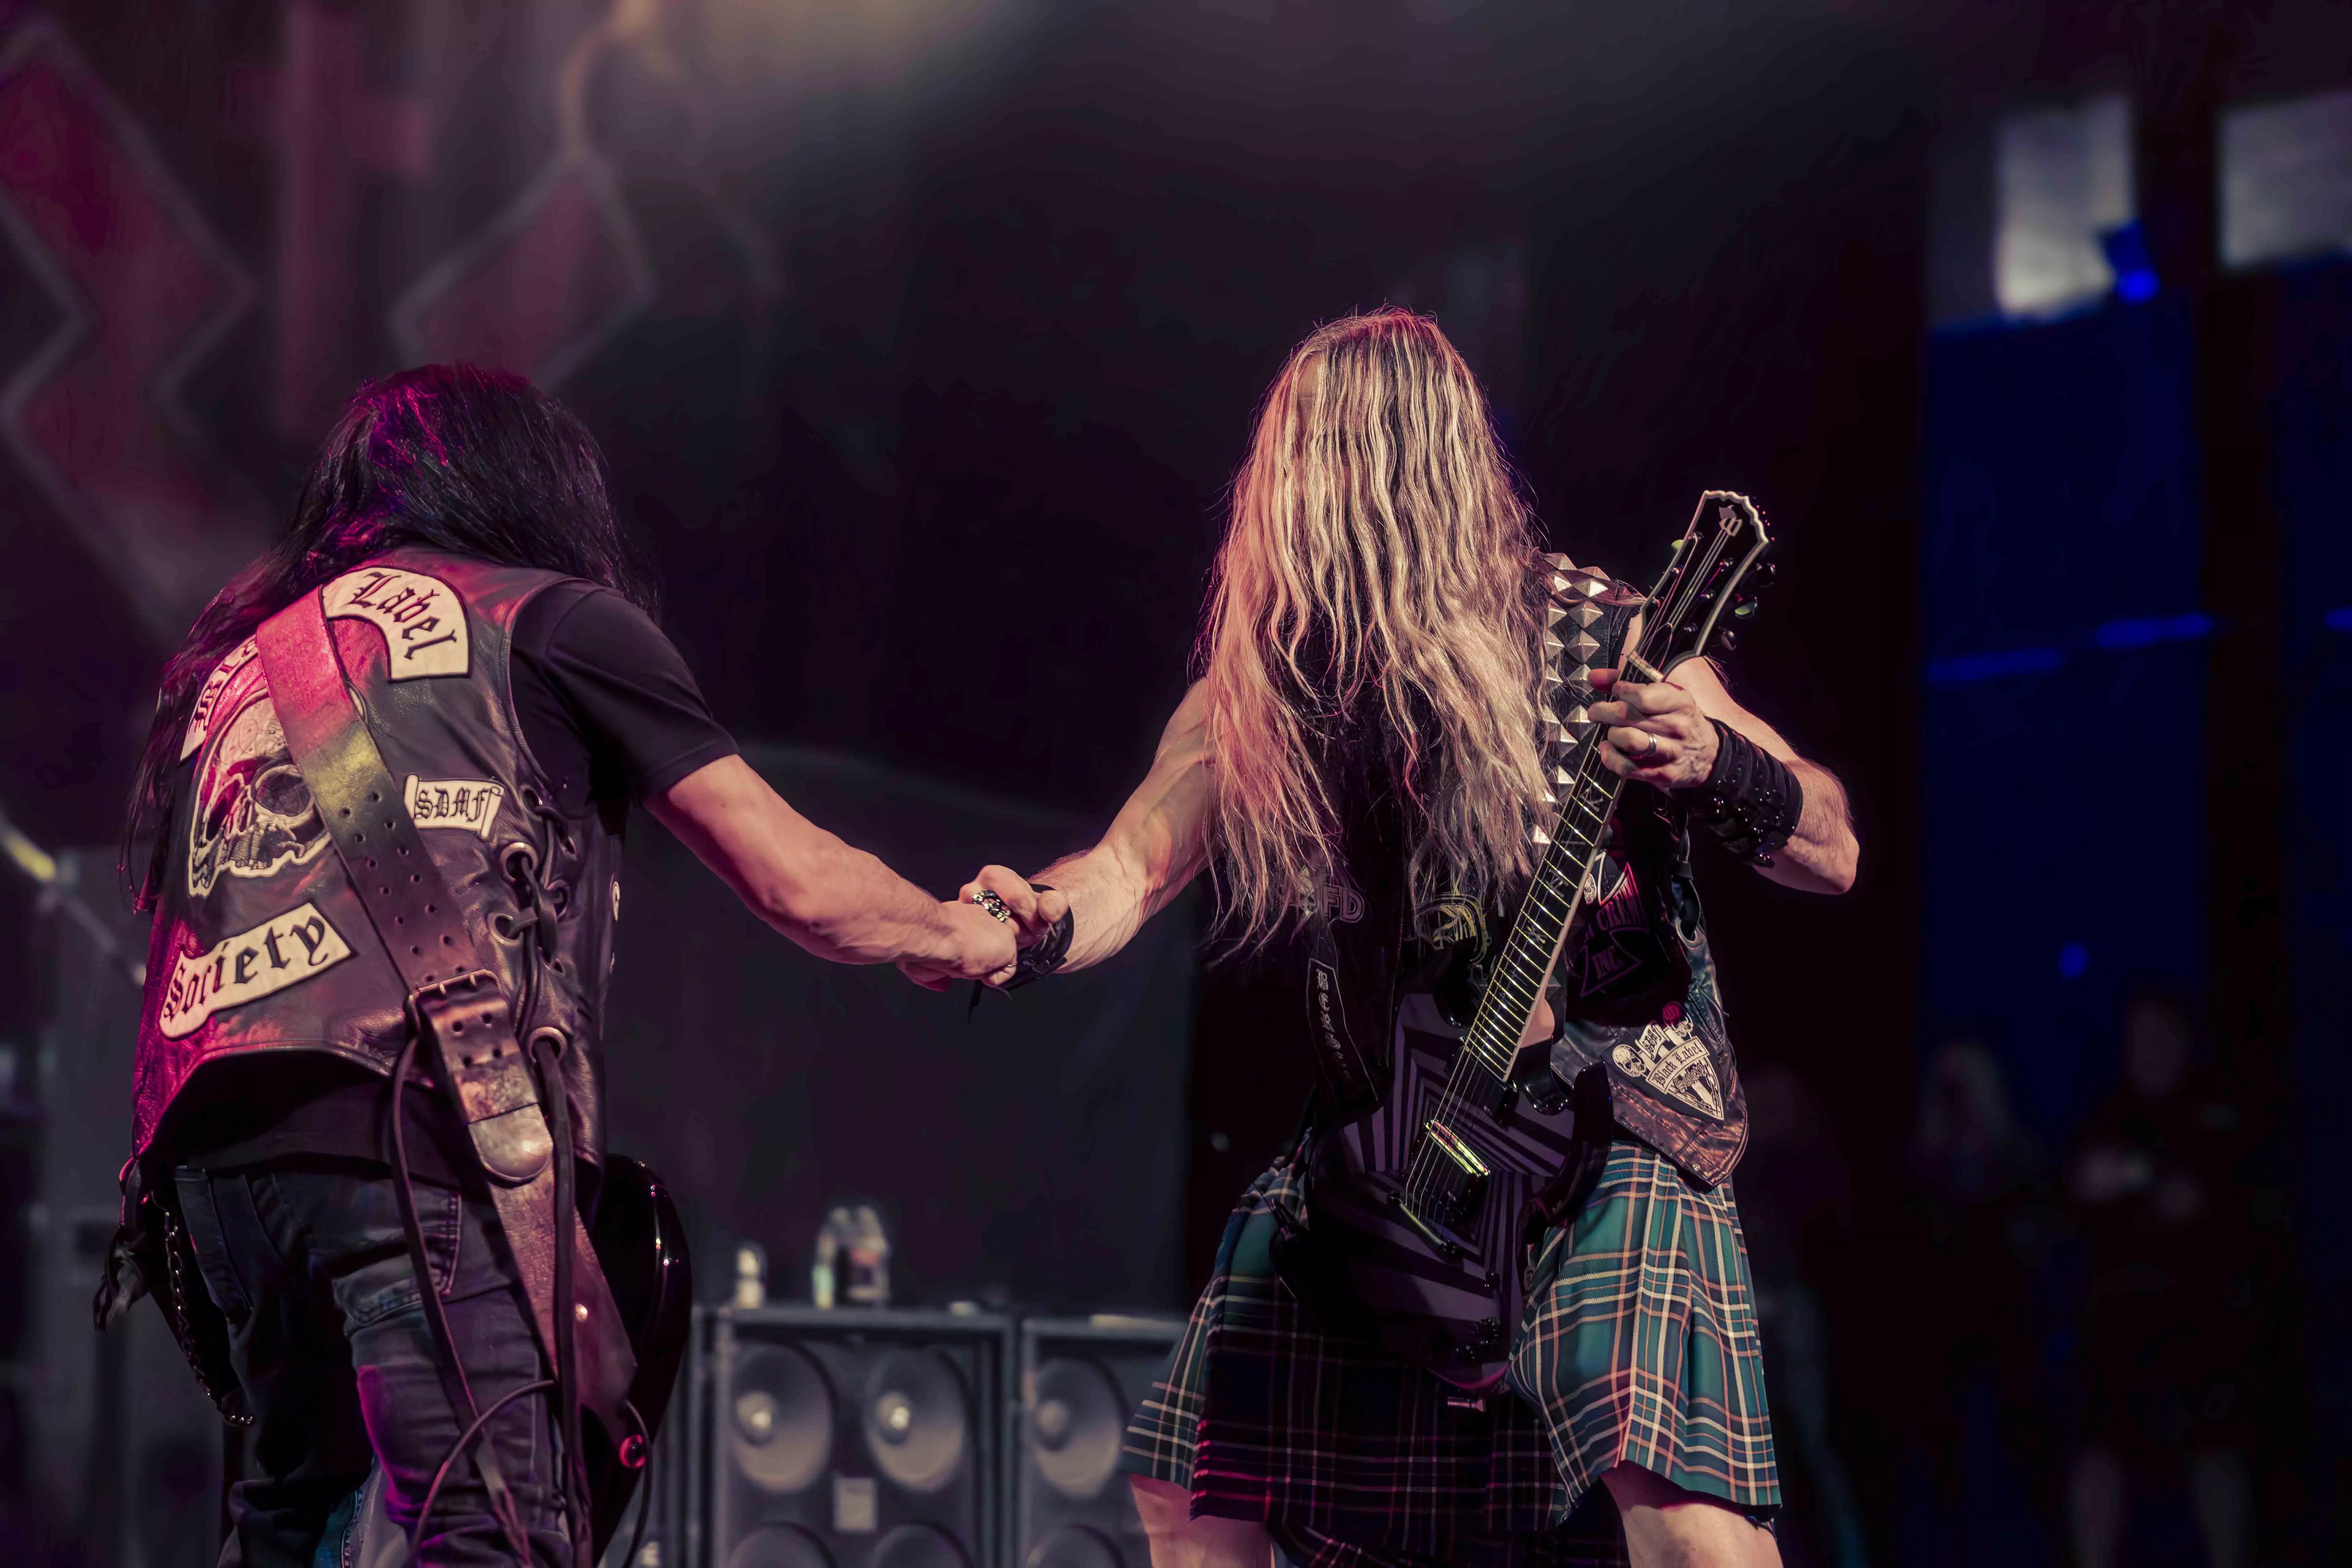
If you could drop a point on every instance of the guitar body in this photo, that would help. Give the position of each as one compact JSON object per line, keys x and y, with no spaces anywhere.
{"x":1450,"y":1301}
{"x":640,"y":1242}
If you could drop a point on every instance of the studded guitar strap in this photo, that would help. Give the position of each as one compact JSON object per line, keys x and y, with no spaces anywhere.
{"x":453,"y":1000}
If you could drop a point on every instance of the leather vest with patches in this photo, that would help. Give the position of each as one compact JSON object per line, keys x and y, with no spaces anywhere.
{"x":1634,"y":990}
{"x":259,"y":942}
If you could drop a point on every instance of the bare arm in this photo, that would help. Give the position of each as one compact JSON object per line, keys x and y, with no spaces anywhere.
{"x":1661,"y":735}
{"x":1155,"y":845}
{"x":838,"y":902}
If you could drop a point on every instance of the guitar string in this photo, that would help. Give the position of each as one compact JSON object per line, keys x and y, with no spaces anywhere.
{"x":1426,"y":1163}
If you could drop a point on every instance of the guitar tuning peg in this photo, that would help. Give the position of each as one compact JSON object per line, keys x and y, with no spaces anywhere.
{"x":1764,"y":573}
{"x":1744,"y":607}
{"x":1727,"y":640}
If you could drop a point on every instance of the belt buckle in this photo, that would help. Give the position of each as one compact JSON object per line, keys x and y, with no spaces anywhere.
{"x":470,"y":1026}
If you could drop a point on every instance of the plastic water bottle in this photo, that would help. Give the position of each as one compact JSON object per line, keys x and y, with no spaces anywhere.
{"x":750,"y":1275}
{"x":824,"y":1274}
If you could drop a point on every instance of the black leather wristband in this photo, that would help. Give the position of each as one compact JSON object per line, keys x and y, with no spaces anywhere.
{"x":1751,"y":799}
{"x":1051,"y":951}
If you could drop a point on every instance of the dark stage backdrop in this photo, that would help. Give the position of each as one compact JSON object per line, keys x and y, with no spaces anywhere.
{"x":1033,"y":1147}
{"x":2065,"y":635}
{"x":2308,"y":388}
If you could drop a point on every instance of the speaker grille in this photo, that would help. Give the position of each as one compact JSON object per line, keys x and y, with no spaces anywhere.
{"x":779,"y":1546}
{"x":915,"y":1417}
{"x":780,"y":1419}
{"x":1074,"y":1546}
{"x":919,"y":1546}
{"x":1081,"y":1378}
{"x":1076,"y":1426}
{"x":857,"y":1438}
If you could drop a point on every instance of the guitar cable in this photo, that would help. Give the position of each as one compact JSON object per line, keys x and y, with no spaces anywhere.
{"x":454,"y":1382}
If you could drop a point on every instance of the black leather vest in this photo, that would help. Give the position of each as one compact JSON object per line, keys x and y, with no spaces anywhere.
{"x":1634,"y":991}
{"x":259,"y":942}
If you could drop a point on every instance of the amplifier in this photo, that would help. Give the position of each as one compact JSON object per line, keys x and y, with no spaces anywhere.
{"x":851,"y":1438}
{"x":1081,"y":1378}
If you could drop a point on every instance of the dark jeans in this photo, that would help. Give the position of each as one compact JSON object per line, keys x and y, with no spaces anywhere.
{"x":307,"y":1259}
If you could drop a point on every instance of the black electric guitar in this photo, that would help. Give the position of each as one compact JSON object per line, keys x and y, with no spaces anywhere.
{"x":641,"y":1244}
{"x":1417,"y":1208}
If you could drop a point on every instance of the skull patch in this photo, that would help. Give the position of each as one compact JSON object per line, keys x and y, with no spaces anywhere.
{"x":252,"y":813}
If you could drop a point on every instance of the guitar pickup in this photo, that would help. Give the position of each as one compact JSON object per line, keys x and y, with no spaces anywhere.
{"x":1461,"y":1154}
{"x":1448,"y":1245}
{"x":1431,"y":1211}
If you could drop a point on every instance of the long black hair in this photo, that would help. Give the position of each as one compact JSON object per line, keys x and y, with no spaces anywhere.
{"x":448,"y":456}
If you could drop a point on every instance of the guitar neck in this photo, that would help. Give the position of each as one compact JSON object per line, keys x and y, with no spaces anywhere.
{"x":1517,"y":981}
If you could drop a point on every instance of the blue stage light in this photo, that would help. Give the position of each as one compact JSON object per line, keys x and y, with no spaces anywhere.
{"x":2128,"y":257}
{"x":2146,"y":631}
{"x":1962,"y":669}
{"x":2073,"y":961}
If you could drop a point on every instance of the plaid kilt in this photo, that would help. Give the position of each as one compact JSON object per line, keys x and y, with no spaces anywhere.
{"x":1638,"y":1345}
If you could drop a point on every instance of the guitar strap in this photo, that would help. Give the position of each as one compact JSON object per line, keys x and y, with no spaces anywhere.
{"x":454,"y":999}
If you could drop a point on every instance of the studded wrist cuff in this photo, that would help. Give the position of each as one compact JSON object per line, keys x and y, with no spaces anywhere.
{"x":1750,"y":799}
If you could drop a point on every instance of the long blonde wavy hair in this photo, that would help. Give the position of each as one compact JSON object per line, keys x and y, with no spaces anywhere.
{"x":1378,"y":547}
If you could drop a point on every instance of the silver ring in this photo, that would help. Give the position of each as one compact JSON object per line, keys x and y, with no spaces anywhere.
{"x":1650,"y":749}
{"x":993,"y":905}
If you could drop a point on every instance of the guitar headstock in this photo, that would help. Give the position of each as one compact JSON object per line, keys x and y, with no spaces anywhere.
{"x":1715,"y":572}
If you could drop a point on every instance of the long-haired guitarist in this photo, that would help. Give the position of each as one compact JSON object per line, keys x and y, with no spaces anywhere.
{"x":378,"y":820}
{"x":1364,"y":768}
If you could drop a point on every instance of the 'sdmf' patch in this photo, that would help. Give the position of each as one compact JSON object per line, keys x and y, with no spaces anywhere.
{"x":281,"y":951}
{"x":470,"y":805}
{"x":421,"y":619}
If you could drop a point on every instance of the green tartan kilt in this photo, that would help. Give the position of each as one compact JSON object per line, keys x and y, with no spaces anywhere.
{"x":1638,"y":1346}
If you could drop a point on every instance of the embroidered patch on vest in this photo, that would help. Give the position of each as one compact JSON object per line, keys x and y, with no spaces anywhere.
{"x":1671,"y":1058}
{"x":470,"y":805}
{"x":248,"y":966}
{"x":200,"y":717}
{"x":421,"y":619}
{"x":252,"y":815}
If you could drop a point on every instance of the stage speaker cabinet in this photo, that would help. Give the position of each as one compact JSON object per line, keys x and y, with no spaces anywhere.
{"x":1081,"y":1378}
{"x":852,"y":1438}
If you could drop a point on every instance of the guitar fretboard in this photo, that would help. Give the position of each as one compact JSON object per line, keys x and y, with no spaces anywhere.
{"x":1517,"y":979}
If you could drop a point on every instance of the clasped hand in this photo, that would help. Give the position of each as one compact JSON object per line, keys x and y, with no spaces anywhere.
{"x":1656,"y":734}
{"x":1032,"y":913}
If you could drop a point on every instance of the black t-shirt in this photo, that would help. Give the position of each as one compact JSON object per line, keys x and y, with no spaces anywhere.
{"x":612,"y":716}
